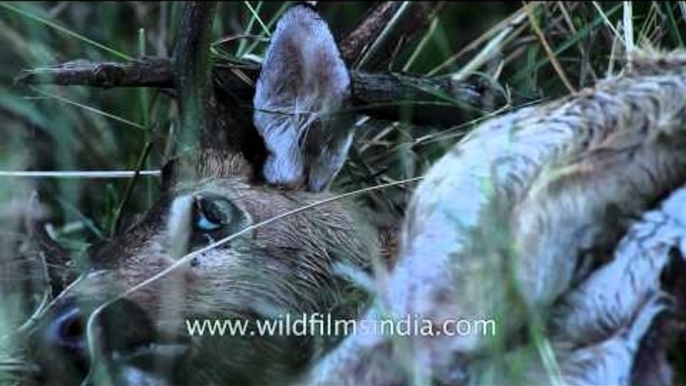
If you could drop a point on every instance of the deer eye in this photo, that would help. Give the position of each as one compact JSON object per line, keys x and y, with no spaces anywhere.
{"x":205,"y":224}
{"x":212,"y":213}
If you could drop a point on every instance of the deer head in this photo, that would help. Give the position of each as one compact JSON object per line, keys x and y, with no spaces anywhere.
{"x":283,"y":267}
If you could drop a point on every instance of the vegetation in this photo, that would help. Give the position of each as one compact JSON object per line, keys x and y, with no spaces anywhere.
{"x":513,"y":55}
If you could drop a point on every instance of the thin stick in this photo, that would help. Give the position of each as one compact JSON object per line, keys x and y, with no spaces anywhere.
{"x":129,"y":187}
{"x":382,"y":36}
{"x":368,"y":29}
{"x":374,"y":92}
{"x":506,"y":25}
{"x":493,"y":47}
{"x":608,"y":22}
{"x":79,"y":174}
{"x":421,"y":45}
{"x":548,"y":50}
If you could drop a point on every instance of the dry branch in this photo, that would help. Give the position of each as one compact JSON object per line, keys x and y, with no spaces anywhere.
{"x":367,"y":30}
{"x":414,"y":20}
{"x":439,"y":100}
{"x":192,"y":71}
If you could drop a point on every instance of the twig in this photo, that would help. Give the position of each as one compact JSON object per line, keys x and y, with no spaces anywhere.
{"x":380,"y":95}
{"x":508,"y":24}
{"x":385,"y":33}
{"x":366,"y":32}
{"x":413,"y":21}
{"x":78,"y":174}
{"x":551,"y":55}
{"x":130,"y":186}
{"x":142,"y":72}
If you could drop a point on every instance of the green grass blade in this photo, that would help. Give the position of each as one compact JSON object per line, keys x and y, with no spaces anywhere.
{"x":89,"y":108}
{"x":257,"y":17}
{"x":64,"y":30}
{"x":383,"y":35}
{"x":582,"y":33}
{"x":248,"y":31}
{"x":675,"y":30}
{"x":421,"y":45}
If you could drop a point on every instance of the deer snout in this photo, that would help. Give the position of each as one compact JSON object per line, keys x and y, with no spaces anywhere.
{"x":66,"y":330}
{"x":121,"y":336}
{"x":60,"y":343}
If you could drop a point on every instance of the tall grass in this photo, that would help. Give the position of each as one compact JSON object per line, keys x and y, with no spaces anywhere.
{"x":535,"y":54}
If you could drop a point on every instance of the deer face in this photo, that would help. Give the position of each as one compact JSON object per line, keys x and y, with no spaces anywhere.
{"x":283,"y":267}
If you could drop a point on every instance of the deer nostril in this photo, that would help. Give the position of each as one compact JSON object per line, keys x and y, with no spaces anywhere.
{"x":72,"y":329}
{"x":59,"y":343}
{"x":67,"y":329}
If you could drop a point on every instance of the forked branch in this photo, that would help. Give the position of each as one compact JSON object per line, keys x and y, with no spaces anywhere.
{"x":437,"y":100}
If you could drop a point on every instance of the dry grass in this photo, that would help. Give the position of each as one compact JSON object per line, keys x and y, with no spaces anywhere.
{"x":534,"y":53}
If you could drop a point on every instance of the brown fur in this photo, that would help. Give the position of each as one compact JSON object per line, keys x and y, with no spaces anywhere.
{"x":284,"y":267}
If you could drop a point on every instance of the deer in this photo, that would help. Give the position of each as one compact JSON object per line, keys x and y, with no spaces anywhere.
{"x":558,"y":218}
{"x":283,"y":267}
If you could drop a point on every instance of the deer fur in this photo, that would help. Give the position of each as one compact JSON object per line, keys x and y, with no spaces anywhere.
{"x":547,"y":194}
{"x":283,"y":267}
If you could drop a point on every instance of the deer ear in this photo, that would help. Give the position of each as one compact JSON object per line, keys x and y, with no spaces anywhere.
{"x":302,"y":92}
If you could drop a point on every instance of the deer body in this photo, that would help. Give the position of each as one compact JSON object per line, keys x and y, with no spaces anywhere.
{"x":548,"y":187}
{"x":548,"y":193}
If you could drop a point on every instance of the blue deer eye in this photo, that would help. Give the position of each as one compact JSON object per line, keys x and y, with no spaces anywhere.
{"x":211,"y":214}
{"x":205,"y":224}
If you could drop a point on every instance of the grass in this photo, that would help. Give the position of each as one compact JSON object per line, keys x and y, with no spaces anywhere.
{"x":555,"y":48}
